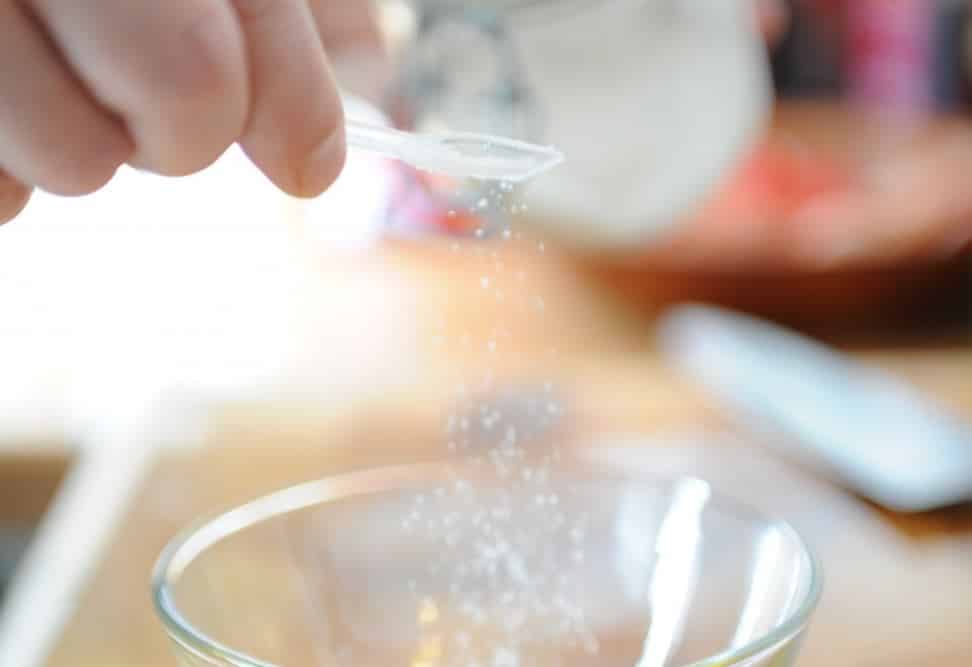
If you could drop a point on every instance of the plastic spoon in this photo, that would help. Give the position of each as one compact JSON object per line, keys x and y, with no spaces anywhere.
{"x":457,"y":154}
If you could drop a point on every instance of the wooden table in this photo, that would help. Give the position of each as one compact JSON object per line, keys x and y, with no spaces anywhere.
{"x":899,"y":589}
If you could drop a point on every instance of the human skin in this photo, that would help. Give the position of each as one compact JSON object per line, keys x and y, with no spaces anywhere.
{"x":90,"y":85}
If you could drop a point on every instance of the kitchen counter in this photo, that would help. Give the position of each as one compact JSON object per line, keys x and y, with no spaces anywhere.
{"x":898,"y":589}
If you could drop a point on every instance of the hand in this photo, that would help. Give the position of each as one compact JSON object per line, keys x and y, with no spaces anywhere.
{"x":89,"y":85}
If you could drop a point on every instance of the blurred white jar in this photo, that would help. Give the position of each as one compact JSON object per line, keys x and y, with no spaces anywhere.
{"x":652,"y":101}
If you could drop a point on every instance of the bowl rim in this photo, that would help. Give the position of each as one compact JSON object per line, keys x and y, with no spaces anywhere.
{"x":199,"y":536}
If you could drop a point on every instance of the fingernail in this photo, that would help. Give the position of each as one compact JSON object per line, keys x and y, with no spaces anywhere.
{"x":323,"y":165}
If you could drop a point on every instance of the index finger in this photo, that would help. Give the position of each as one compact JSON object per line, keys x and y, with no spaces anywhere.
{"x":295,"y":132}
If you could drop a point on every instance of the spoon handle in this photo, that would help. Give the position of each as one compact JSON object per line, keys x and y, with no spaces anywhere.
{"x":461,"y":155}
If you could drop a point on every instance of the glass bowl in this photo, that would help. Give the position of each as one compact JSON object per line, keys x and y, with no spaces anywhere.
{"x":482,"y":564}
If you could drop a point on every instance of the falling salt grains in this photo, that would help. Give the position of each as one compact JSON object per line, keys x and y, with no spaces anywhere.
{"x":506,"y":562}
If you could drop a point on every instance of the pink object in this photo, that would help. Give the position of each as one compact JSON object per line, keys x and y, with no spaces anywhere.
{"x":889,"y":53}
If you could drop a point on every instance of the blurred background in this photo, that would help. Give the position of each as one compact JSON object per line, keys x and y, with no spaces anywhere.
{"x":170,"y":347}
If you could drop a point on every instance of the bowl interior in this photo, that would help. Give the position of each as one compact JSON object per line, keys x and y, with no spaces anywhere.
{"x":442,"y":565}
